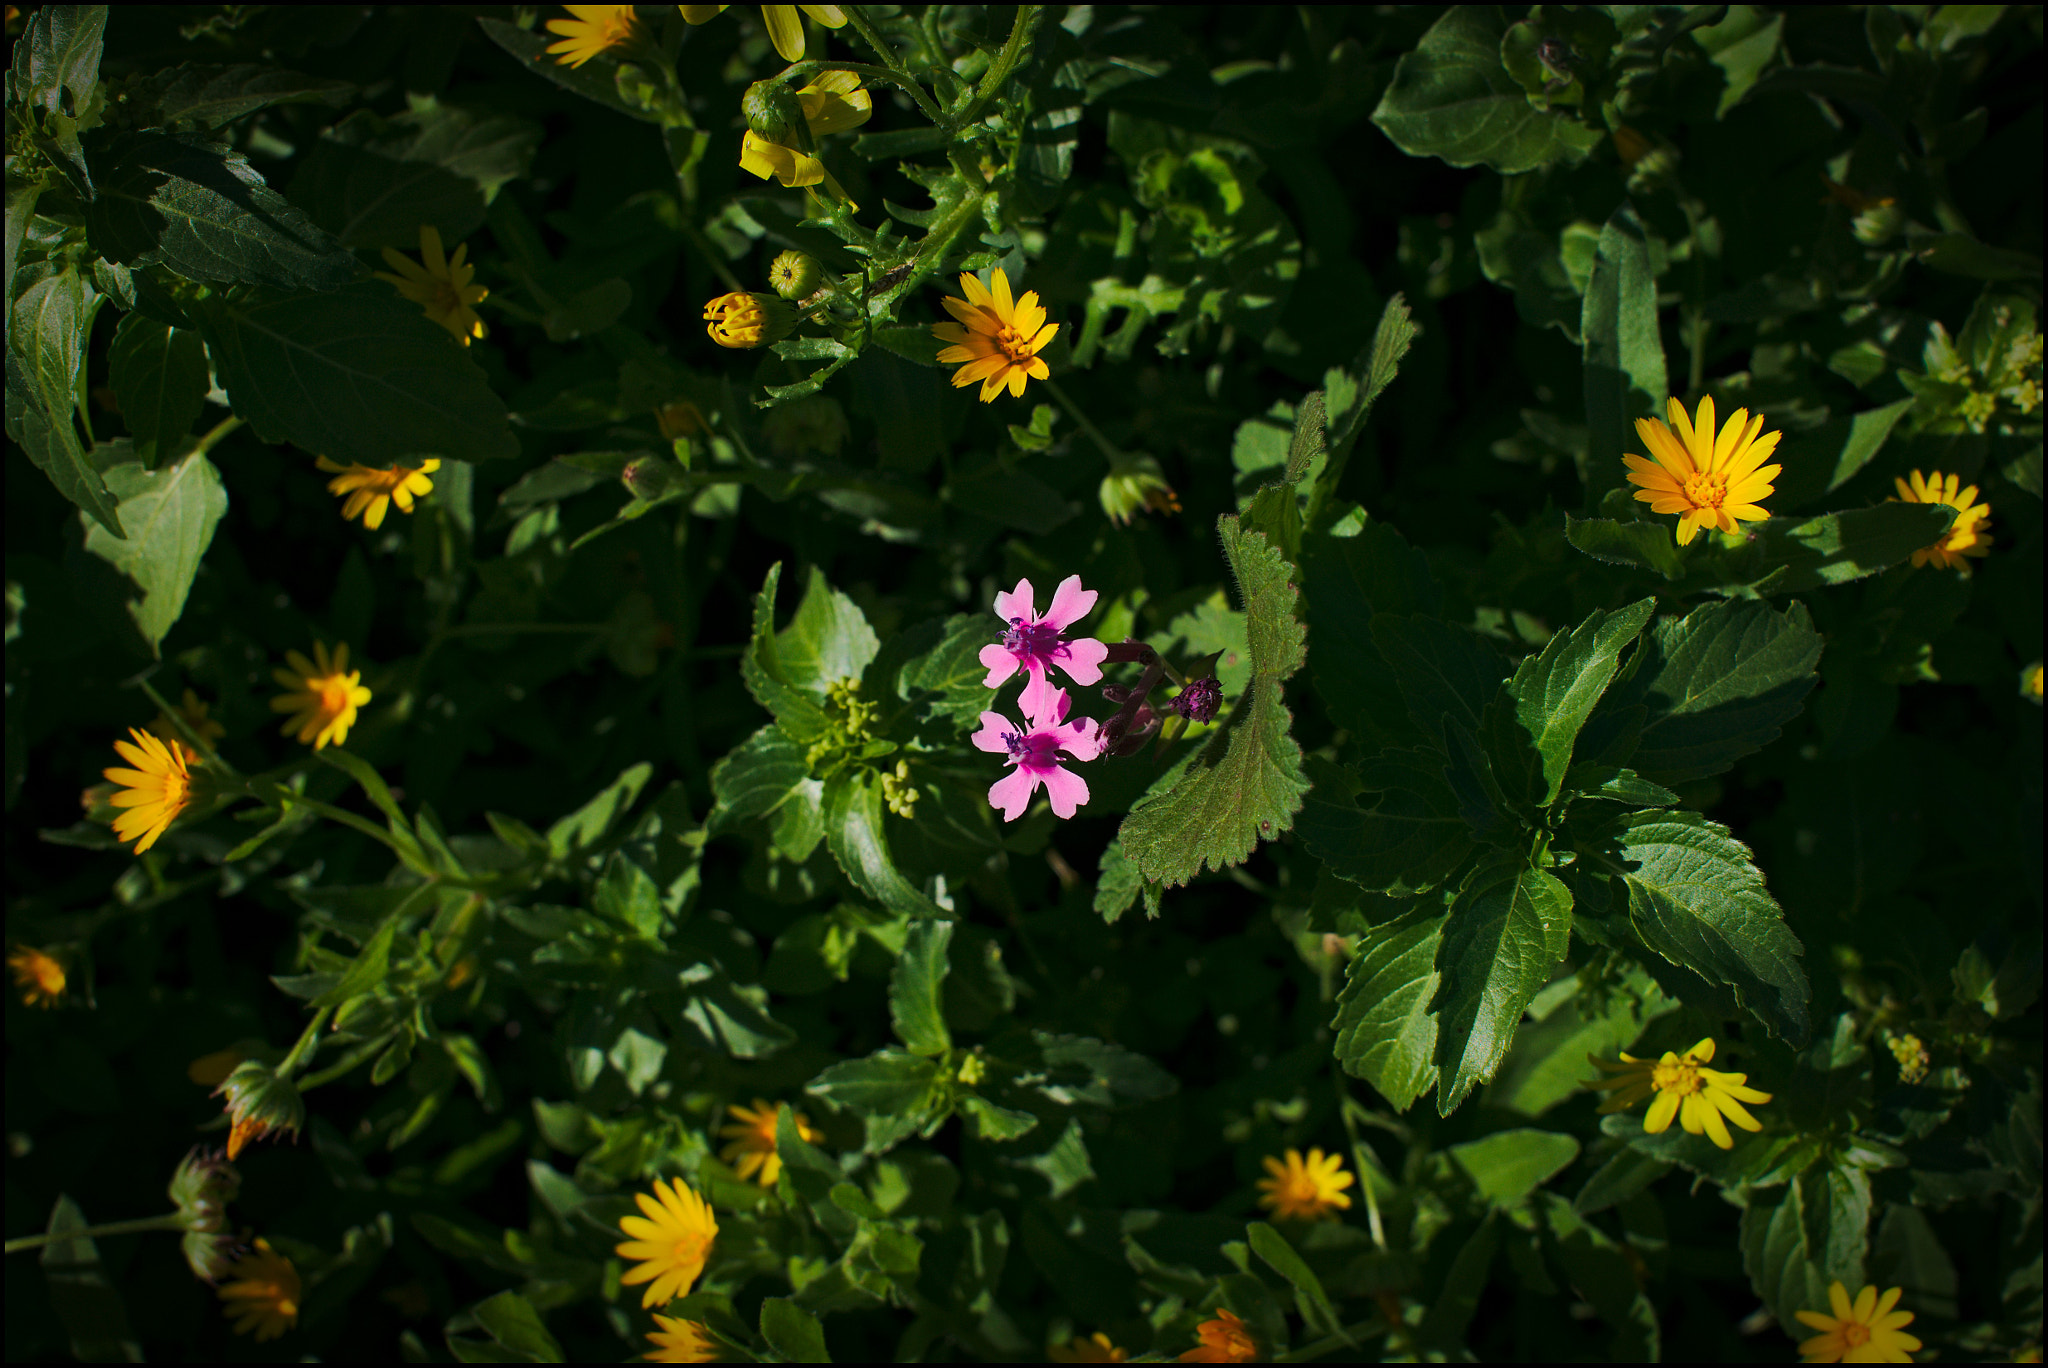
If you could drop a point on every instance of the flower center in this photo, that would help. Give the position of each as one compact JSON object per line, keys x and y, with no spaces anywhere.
{"x":1706,"y":490}
{"x":1855,"y":1333}
{"x":1031,"y":638}
{"x":1038,"y":750}
{"x":1015,"y":345}
{"x":689,"y":1249}
{"x":333,"y":692}
{"x":1682,"y":1078}
{"x":47,"y":973}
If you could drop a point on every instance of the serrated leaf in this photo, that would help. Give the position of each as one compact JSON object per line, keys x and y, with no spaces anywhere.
{"x":1386,"y":1031}
{"x":914,"y":984}
{"x":1452,"y":98}
{"x":796,"y":711}
{"x":590,"y":824}
{"x":1349,"y":580}
{"x":1351,"y":395}
{"x":1531,"y":724}
{"x":373,"y":181}
{"x":1409,"y":840}
{"x":792,"y":1332}
{"x":1444,"y":672}
{"x":855,"y":834}
{"x":1082,"y":1069}
{"x":828,"y":639}
{"x":1792,"y":555}
{"x":890,"y":1090}
{"x":56,"y":63}
{"x":1799,"y":1238}
{"x":48,"y":322}
{"x":356,"y":375}
{"x":1508,"y":928}
{"x":1623,"y":350}
{"x":160,"y":379}
{"x":1245,"y":784}
{"x":169,"y":515}
{"x":1617,"y":785}
{"x":1696,"y":899}
{"x":1507,"y":1166}
{"x":209,"y":96}
{"x":1650,"y":545}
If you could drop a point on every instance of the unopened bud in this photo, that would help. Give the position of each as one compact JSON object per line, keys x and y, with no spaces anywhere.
{"x":1879,"y":224}
{"x":649,"y":477}
{"x":259,"y":1104}
{"x":201,"y":1189}
{"x":1136,"y":484}
{"x":1199,"y":701}
{"x":742,"y":321}
{"x":795,"y":275}
{"x":773,"y":111}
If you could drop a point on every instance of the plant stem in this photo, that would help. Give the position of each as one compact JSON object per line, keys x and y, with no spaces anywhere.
{"x":1359,"y":1157}
{"x":178,"y":723}
{"x":215,"y":434}
{"x":348,"y":1062}
{"x":174,"y":1221}
{"x":305,"y":1043}
{"x":1073,"y":411}
{"x":998,"y":75}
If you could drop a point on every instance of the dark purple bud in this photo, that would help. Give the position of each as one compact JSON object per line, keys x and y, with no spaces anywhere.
{"x":1199,"y":701}
{"x":1129,"y":650}
{"x":1114,"y":693}
{"x":1132,"y":739}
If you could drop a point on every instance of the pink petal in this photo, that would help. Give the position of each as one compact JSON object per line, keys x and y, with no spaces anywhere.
{"x":1054,"y":711}
{"x":1017,"y":603}
{"x":1066,"y":789}
{"x":994,"y":727}
{"x":1070,"y":603}
{"x":1011,"y":794}
{"x":1082,"y":738}
{"x":1082,"y":660}
{"x":1001,"y":663}
{"x":1036,"y":702}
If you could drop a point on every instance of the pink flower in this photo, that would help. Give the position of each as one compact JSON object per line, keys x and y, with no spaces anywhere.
{"x":1037,"y":750}
{"x":1034,"y":643}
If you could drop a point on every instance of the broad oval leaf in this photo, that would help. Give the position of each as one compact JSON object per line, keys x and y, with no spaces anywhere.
{"x":1508,"y":927}
{"x":169,"y":515}
{"x":1386,"y":1031}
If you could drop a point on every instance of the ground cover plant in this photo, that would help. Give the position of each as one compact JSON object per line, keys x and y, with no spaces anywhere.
{"x":957,"y":682}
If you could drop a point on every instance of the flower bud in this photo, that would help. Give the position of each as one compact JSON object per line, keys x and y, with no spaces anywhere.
{"x":1878,"y":224}
{"x":201,"y":1189}
{"x":773,"y":111}
{"x":741,"y":320}
{"x":649,"y":477}
{"x":1199,"y":701}
{"x":1136,"y":484}
{"x":795,"y":275}
{"x":260,"y":1104}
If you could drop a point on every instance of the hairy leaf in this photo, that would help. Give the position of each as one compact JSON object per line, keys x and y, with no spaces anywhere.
{"x":893,"y":1092}
{"x":1799,"y":1238}
{"x":1386,"y":1030}
{"x":1508,"y":928}
{"x":1452,"y":98}
{"x":1444,"y":672}
{"x":1531,"y":724}
{"x":169,"y":515}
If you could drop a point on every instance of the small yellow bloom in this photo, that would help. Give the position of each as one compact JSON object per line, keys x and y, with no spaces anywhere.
{"x":1684,"y":1087}
{"x":680,"y":1341}
{"x":741,"y":320}
{"x":752,"y":1147}
{"x":263,"y":1299}
{"x":192,"y":711}
{"x":996,"y":340}
{"x":1096,"y":1348}
{"x":1711,"y":480}
{"x":154,"y":792}
{"x":594,"y":29}
{"x":1308,"y":1190}
{"x":832,"y":103}
{"x":38,"y":975}
{"x":371,"y":492}
{"x":1968,"y":535}
{"x":1867,"y":1332}
{"x":785,"y":30}
{"x":324,"y":696}
{"x":670,"y":1244}
{"x":1225,"y":1339}
{"x":442,"y":287}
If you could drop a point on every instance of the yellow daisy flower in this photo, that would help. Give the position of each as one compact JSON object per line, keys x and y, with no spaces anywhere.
{"x":371,"y":492}
{"x":38,"y":975}
{"x":671,"y":1243}
{"x":1096,"y":1348}
{"x":785,"y":30}
{"x":740,"y":320}
{"x":324,"y":695}
{"x":752,"y":1151}
{"x":1867,"y":1332}
{"x":263,"y":1299}
{"x":1308,"y":1190}
{"x":154,"y":792}
{"x":996,"y":340}
{"x":192,"y":711}
{"x":1968,"y":535}
{"x":832,"y":103}
{"x":1710,"y":480}
{"x":442,"y":287}
{"x":593,"y":29}
{"x":1684,"y":1087}
{"x":1225,"y":1339}
{"x":680,"y":1341}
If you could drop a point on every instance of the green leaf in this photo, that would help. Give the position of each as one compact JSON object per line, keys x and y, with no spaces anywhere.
{"x":1452,"y":98}
{"x":1604,"y":1273}
{"x":1799,"y":1238}
{"x":1444,"y":672}
{"x":1788,"y":556}
{"x":373,"y":181}
{"x":588,"y":826}
{"x":1617,"y":785}
{"x":1280,"y":1256}
{"x":373,"y":785}
{"x":1065,"y":1165}
{"x":1245,"y":784}
{"x":596,"y":79}
{"x":1508,"y":928}
{"x":48,"y":322}
{"x":800,"y":715}
{"x":1650,"y":545}
{"x":201,"y":209}
{"x":1624,"y":1175}
{"x":1349,"y":396}
{"x":893,"y":1092}
{"x":1348,"y":580}
{"x":511,"y":1320}
{"x":1082,"y":1069}
{"x":367,"y":971}
{"x":209,"y":96}
{"x":858,"y":841}
{"x":1623,"y":351}
{"x":170,"y":515}
{"x":1411,"y":840}
{"x":1823,"y":459}
{"x":827,"y":641}
{"x":85,"y":1300}
{"x":57,"y":60}
{"x":914,"y":984}
{"x":1507,"y":1166}
{"x":766,"y":776}
{"x":792,"y":1332}
{"x":1531,"y":724}
{"x":1386,"y":1030}
{"x":992,"y":1122}
{"x":1444,"y":1326}
{"x":1548,"y":1062}
{"x":160,"y":379}
{"x":1695,"y":898}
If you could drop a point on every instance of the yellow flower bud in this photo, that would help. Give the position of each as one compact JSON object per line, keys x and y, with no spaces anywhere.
{"x":740,"y":320}
{"x":773,"y":110}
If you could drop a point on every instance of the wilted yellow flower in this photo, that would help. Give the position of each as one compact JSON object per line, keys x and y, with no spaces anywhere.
{"x":1096,"y":1348}
{"x":740,"y":320}
{"x":442,"y":287}
{"x":785,"y":30}
{"x":680,"y":1341}
{"x":1305,"y":1190}
{"x":996,"y":340}
{"x":259,"y":1104}
{"x":37,"y":974}
{"x":1135,"y":484}
{"x":324,"y":696}
{"x":1868,"y":1331}
{"x":263,"y":1299}
{"x":671,"y":1243}
{"x":154,"y":792}
{"x":1969,"y":535}
{"x":1684,"y":1087}
{"x":752,"y":1147}
{"x":371,"y":492}
{"x":1225,"y":1339}
{"x":192,"y":711}
{"x":1710,"y":480}
{"x":832,"y":103}
{"x":593,"y":29}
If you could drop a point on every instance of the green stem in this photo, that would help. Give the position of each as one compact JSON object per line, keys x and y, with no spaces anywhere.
{"x":347,"y":819}
{"x":216,"y":433}
{"x":1081,"y":419}
{"x":178,"y":723}
{"x":696,"y":238}
{"x":998,"y":75}
{"x":348,"y":1062}
{"x":306,"y":1041}
{"x":929,"y":254}
{"x":1362,"y":1158}
{"x":174,"y":1221}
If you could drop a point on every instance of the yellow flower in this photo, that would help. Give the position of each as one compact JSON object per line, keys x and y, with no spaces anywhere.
{"x":741,"y":320}
{"x":154,"y":792}
{"x":1684,"y":1087}
{"x":371,"y":492}
{"x":1305,"y":1191}
{"x":1094,"y":1349}
{"x":263,"y":1299}
{"x":1711,"y":480}
{"x":1868,"y":1332}
{"x":37,"y":974}
{"x":995,"y":341}
{"x":259,"y":1105}
{"x":833,"y":103}
{"x":785,"y":30}
{"x":1224,"y":1340}
{"x":324,"y":696}
{"x":681,"y":1341}
{"x":752,"y":1150}
{"x":595,"y":29}
{"x":1968,"y":535}
{"x":2030,"y":682}
{"x":670,"y":1243}
{"x":192,"y":712}
{"x":442,"y":287}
